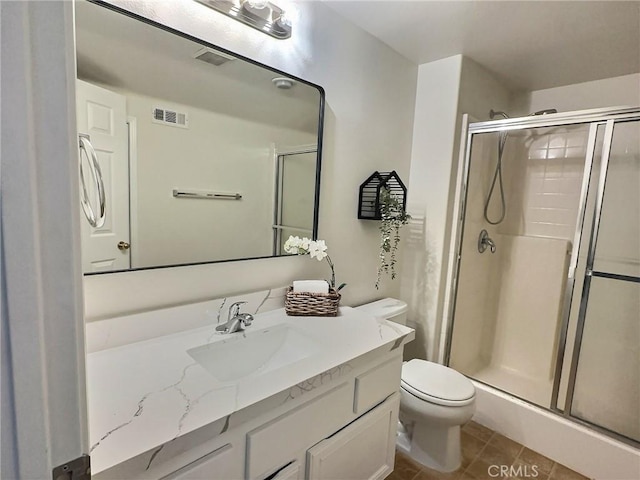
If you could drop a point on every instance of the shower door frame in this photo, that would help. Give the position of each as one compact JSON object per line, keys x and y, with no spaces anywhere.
{"x":277,"y":227}
{"x":594,"y":118}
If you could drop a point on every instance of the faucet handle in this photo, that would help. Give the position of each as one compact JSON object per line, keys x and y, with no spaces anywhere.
{"x":246,"y":319}
{"x":234,"y":309}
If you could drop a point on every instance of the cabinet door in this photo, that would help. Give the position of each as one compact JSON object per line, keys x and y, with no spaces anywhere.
{"x":221,"y":464}
{"x":287,"y":437}
{"x":292,"y":472}
{"x":363,"y":450}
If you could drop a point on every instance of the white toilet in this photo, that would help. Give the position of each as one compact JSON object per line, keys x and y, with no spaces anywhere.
{"x":434,"y":402}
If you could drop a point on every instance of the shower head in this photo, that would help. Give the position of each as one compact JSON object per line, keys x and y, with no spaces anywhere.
{"x":543,"y":112}
{"x":493,"y":113}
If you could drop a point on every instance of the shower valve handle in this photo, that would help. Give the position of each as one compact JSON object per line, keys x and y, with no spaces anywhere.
{"x":485,"y":241}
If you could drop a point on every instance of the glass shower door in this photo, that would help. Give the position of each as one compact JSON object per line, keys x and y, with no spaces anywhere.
{"x":509,"y":301}
{"x":295,"y":197}
{"x":604,"y":381}
{"x":547,"y":308}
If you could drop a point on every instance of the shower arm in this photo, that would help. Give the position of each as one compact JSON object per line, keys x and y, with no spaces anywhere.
{"x":493,"y":113}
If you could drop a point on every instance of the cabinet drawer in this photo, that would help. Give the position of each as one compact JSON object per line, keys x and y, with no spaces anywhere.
{"x":218,"y":464}
{"x":363,"y":450}
{"x":374,"y":386}
{"x":281,"y":440}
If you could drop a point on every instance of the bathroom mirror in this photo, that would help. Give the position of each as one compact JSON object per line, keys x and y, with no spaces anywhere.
{"x":189,"y":153}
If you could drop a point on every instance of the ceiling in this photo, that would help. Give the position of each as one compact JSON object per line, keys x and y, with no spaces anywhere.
{"x":119,"y":52}
{"x":529,"y":45}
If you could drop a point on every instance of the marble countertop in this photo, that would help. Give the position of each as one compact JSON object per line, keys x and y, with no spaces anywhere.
{"x":145,"y":394}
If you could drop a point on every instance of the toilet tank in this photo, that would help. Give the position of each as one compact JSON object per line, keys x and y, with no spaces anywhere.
{"x":388,"y":308}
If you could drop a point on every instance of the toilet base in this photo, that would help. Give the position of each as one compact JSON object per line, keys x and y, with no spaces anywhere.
{"x":403,"y":439}
{"x":436,"y":447}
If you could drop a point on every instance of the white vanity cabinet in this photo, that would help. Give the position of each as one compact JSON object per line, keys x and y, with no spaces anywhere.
{"x":332,"y":415}
{"x":221,"y":463}
{"x":346,"y":433}
{"x":287,"y":437}
{"x":364,"y":450}
{"x":345,"y":430}
{"x":291,"y":472}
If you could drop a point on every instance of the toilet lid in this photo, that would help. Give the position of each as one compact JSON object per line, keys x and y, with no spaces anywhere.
{"x":436,"y":383}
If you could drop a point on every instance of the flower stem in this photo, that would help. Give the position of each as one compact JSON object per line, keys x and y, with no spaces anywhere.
{"x":333,"y":273}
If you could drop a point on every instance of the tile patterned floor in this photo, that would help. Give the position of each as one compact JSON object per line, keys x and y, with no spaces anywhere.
{"x":482,"y":448}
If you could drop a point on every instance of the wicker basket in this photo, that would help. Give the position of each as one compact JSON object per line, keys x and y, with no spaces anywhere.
{"x":312,"y":304}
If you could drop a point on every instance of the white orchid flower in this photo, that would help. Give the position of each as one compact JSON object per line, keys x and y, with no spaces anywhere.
{"x":318,"y":250}
{"x":292,"y":245}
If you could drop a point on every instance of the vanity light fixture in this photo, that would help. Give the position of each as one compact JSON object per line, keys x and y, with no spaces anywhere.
{"x":259,"y":14}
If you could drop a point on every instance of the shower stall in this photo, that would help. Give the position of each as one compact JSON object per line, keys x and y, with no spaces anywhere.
{"x":545,"y":287}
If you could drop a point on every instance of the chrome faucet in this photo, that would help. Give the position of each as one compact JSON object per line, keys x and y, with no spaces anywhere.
{"x":236,"y":321}
{"x":485,"y":241}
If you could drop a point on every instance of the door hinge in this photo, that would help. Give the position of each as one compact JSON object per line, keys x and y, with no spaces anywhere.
{"x":77,"y":469}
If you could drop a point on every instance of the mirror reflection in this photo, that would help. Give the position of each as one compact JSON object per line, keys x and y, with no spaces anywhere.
{"x":188,"y":154}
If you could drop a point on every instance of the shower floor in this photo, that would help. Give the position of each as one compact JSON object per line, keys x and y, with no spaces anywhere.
{"x":535,"y":390}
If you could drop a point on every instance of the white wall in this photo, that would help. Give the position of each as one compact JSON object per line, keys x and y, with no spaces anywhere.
{"x":447,"y":89}
{"x":41,"y":270}
{"x":436,"y":114}
{"x":609,"y":92}
{"x":370,"y":93}
{"x":215,"y":153}
{"x":8,"y":448}
{"x":481,"y":91}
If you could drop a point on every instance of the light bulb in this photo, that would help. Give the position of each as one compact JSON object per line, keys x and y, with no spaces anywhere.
{"x":285,"y":19}
{"x":257,"y":4}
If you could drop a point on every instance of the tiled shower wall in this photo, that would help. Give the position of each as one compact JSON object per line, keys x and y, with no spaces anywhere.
{"x":543,"y":171}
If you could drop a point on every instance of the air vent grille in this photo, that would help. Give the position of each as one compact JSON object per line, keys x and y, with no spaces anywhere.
{"x":165,"y":116}
{"x":170,"y":116}
{"x":213,"y":57}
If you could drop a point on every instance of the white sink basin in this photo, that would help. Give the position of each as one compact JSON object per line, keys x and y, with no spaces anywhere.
{"x":254,"y":352}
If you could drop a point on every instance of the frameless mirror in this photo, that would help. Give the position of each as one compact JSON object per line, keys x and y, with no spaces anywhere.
{"x":188,"y":153}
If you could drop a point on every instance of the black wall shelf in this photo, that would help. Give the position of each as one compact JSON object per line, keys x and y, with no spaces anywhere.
{"x":369,"y":198}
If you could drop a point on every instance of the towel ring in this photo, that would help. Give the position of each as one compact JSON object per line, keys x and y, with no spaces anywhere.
{"x":96,"y":173}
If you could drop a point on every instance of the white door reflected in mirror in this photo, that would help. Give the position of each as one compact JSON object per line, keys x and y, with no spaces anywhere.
{"x":102,"y":114}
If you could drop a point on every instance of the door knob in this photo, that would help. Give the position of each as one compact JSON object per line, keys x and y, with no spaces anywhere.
{"x":123,"y":246}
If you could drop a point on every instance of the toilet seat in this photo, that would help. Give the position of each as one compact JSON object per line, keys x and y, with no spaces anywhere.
{"x":436,"y":383}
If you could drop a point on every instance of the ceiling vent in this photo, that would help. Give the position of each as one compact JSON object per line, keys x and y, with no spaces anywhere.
{"x":165,"y":116}
{"x":212,"y":56}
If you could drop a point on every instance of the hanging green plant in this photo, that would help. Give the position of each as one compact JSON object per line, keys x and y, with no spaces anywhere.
{"x":393,"y":218}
